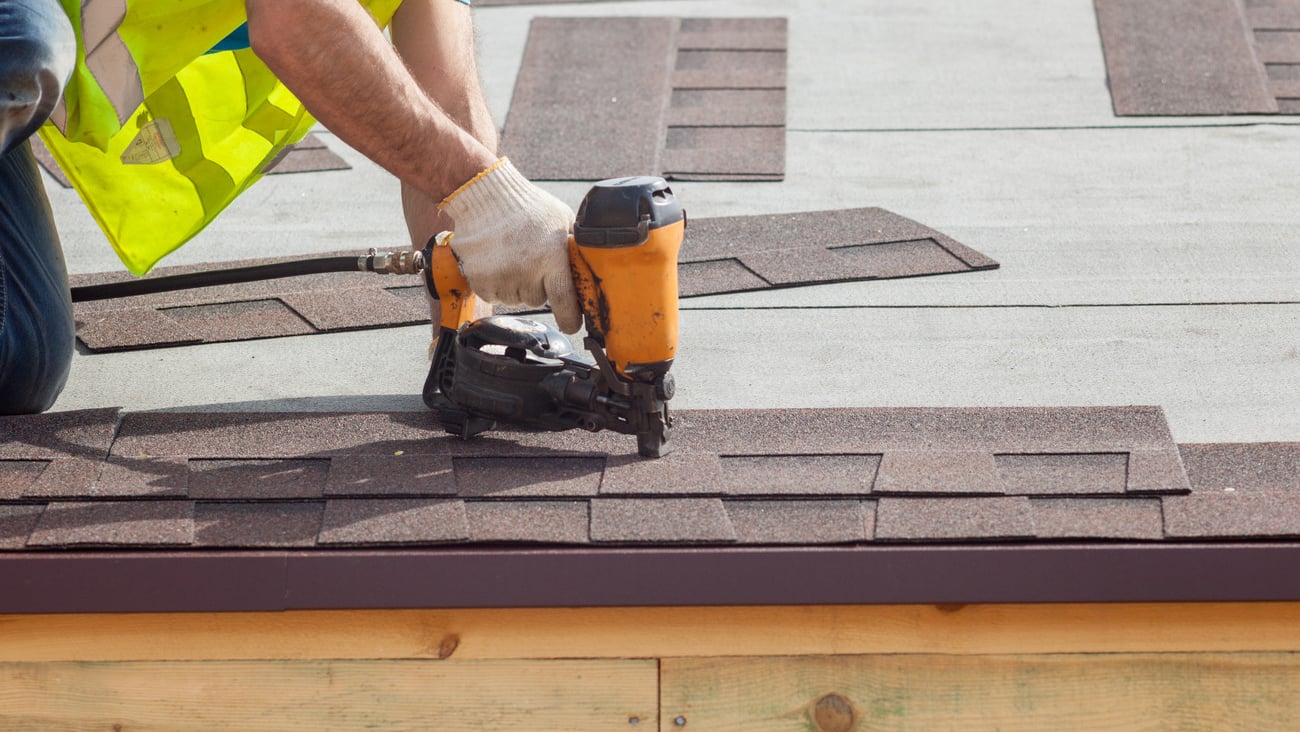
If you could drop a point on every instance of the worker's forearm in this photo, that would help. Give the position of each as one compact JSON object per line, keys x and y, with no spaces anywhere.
{"x":337,"y":61}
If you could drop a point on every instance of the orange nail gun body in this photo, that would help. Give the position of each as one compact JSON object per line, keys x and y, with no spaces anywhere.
{"x":623,"y":255}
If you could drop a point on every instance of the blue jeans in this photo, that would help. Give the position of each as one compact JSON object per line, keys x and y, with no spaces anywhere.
{"x":37,"y":50}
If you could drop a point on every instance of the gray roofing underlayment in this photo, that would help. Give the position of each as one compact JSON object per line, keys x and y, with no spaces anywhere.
{"x":1202,"y":57}
{"x":719,"y":255}
{"x":99,"y":492}
{"x":685,"y":98}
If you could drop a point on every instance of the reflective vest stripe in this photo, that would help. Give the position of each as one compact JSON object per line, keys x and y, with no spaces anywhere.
{"x":206,"y":127}
{"x":107,"y":56}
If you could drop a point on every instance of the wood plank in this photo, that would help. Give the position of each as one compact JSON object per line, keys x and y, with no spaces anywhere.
{"x":654,"y":632}
{"x":929,"y":692}
{"x":335,"y":695}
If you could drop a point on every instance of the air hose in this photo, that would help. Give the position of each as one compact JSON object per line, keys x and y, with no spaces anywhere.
{"x":405,"y":262}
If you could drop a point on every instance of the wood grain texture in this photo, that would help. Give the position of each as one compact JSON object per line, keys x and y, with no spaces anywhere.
{"x":654,"y":632}
{"x":334,"y":695}
{"x":1008,"y":693}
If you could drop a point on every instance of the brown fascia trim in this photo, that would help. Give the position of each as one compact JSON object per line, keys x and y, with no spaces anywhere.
{"x":188,"y":581}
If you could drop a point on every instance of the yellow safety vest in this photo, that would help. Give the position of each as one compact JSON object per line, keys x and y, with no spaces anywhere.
{"x":157,"y":135}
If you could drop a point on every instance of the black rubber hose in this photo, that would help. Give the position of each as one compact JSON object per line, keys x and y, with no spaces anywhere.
{"x":215,"y":277}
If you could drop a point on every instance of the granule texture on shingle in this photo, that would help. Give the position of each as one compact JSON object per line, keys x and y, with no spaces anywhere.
{"x":937,"y":472}
{"x":802,"y":475}
{"x":938,"y":519}
{"x":1277,"y":46}
{"x":232,"y":321}
{"x":660,"y":521}
{"x":533,"y":477}
{"x":67,"y":477}
{"x":231,"y":435}
{"x":724,"y":275}
{"x":80,"y":433}
{"x":258,"y":479}
{"x":360,"y":521}
{"x":1156,"y":471}
{"x":357,"y":307}
{"x":610,"y":75}
{"x":16,"y":476}
{"x":1257,"y":513}
{"x":257,"y":524}
{"x":678,"y":473}
{"x":801,"y":522}
{"x":133,"y":327}
{"x":1062,"y":473}
{"x":17,"y":522}
{"x":1181,"y":58}
{"x":390,"y":475}
{"x":626,"y":85}
{"x":1214,"y":468}
{"x":115,"y":523}
{"x":1273,"y":14}
{"x":126,"y":477}
{"x":533,"y":522}
{"x":1097,"y":518}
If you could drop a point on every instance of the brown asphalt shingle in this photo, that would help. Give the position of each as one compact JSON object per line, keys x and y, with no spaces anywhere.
{"x":728,"y":254}
{"x":1194,"y":57}
{"x":751,"y":477}
{"x":691,"y":99}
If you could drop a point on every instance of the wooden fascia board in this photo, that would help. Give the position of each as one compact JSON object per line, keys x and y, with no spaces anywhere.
{"x":654,"y":632}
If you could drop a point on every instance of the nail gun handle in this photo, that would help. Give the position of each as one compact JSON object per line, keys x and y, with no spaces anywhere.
{"x":447,"y":283}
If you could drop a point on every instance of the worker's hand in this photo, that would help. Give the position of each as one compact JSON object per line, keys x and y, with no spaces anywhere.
{"x":512,"y":239}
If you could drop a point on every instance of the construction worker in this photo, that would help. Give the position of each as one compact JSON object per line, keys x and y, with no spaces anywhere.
{"x":127,"y":116}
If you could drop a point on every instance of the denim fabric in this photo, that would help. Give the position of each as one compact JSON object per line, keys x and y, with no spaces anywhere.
{"x":37,"y":54}
{"x":37,"y":51}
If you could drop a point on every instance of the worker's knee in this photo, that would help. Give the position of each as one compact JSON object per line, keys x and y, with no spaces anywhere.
{"x":36,"y":327}
{"x":37,"y":54}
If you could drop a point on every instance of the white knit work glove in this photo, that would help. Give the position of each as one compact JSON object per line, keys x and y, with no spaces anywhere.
{"x":512,"y":239}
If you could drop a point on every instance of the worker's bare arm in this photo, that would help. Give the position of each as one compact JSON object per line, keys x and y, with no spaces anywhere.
{"x":435,"y":38}
{"x":338,"y":62}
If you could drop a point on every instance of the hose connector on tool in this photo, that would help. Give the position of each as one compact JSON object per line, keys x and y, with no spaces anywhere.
{"x":406,"y":262}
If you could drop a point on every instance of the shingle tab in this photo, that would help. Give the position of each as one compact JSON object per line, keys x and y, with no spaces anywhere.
{"x":390,"y":475}
{"x":66,"y":477}
{"x":660,"y":521}
{"x":16,"y":524}
{"x":502,"y":477}
{"x":257,"y":525}
{"x":380,"y":521}
{"x":80,"y":433}
{"x":528,"y":522}
{"x":937,"y":472}
{"x":954,"y":519}
{"x":802,"y":475}
{"x":257,"y":479}
{"x":1097,"y":518}
{"x":675,"y":473}
{"x":1063,"y":473}
{"x":801,"y":522}
{"x":115,"y":523}
{"x":1213,"y":468}
{"x":17,"y":475}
